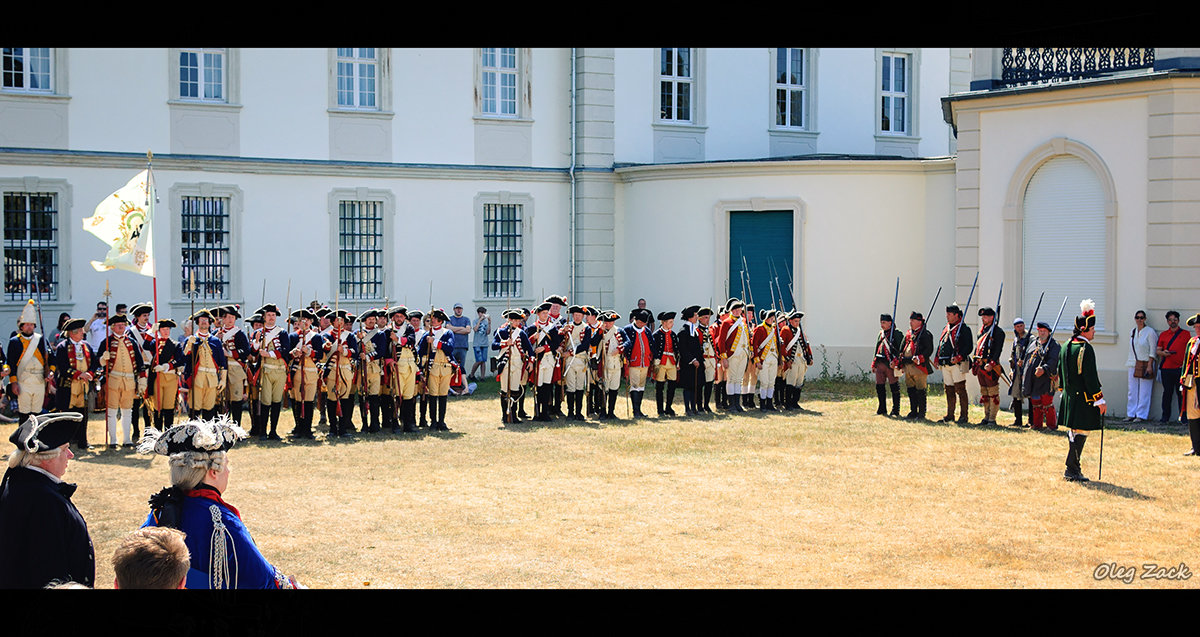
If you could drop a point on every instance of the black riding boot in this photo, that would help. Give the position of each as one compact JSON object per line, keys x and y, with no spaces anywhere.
{"x":273,"y":414}
{"x":373,"y":407}
{"x":1194,"y":433}
{"x":347,"y":424}
{"x":895,"y":387}
{"x":442,"y":414}
{"x":1074,"y":472}
{"x":708,"y":390}
{"x":611,"y":411}
{"x":658,"y":398}
{"x":881,"y":396}
{"x":670,"y":397}
{"x":914,"y":405}
{"x":1016,"y":407}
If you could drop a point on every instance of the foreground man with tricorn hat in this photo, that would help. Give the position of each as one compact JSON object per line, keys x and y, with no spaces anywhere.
{"x":222,"y":552}
{"x":43,"y":538}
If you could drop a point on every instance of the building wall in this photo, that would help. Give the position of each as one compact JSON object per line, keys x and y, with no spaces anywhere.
{"x":860,"y":227}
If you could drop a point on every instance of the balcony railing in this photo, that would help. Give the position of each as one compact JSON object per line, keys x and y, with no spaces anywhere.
{"x":1044,"y":65}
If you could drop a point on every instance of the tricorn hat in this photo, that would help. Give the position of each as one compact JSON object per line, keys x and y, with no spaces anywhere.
{"x":575,"y":308}
{"x":194,"y":435}
{"x":544,"y":307}
{"x":269,"y":307}
{"x":166,"y":322}
{"x":1195,"y":318}
{"x":223,"y":310}
{"x":440,"y":314}
{"x":513,"y":313}
{"x":416,"y":314}
{"x":666,"y":316}
{"x":74,"y":324}
{"x":140,"y":309}
{"x":304,"y":313}
{"x":255,"y":318}
{"x":117,"y":318}
{"x":201,"y":313}
{"x":641,"y":315}
{"x":397,"y":309}
{"x":689,"y":311}
{"x":43,"y":433}
{"x":1087,"y":315}
{"x":705,"y":311}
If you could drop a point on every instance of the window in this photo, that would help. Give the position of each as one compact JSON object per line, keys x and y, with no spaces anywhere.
{"x":357,"y":77}
{"x":360,"y":249}
{"x":790,"y":88}
{"x":27,"y":70}
{"x":894,"y":92}
{"x":502,"y":250}
{"x":498,"y":82}
{"x":675,"y":85}
{"x":205,"y":246}
{"x":30,"y":246}
{"x":1066,"y":198}
{"x":202,"y":75}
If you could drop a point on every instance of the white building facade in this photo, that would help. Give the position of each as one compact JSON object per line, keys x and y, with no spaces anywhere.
{"x":496,"y":176}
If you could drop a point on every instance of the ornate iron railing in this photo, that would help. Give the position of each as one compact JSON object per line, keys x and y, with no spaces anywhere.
{"x":1044,"y":65}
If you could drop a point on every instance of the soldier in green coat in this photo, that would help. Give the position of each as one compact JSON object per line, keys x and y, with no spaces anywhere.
{"x":1082,"y":406}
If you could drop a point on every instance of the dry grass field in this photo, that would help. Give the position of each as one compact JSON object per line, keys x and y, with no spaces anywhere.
{"x":833,"y":497}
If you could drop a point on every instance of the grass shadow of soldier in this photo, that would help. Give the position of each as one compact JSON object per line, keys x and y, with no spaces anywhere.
{"x":1124,"y":492}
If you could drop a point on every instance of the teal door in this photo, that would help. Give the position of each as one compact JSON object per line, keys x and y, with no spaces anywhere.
{"x":760,"y":253}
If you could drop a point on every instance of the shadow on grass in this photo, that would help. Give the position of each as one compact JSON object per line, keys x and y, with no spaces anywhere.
{"x":1124,"y":492}
{"x":124,"y":457}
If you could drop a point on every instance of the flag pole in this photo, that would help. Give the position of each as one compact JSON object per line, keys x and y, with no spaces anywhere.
{"x":153,"y":281}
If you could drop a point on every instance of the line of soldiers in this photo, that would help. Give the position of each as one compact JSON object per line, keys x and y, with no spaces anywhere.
{"x":1038,"y":366}
{"x":562,"y":357}
{"x":390,"y":364}
{"x":1033,"y":363}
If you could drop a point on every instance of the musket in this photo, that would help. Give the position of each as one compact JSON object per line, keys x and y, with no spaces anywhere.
{"x":925,"y":323}
{"x":107,"y":335}
{"x":750,"y":292}
{"x":1041,"y":349}
{"x":362,"y":378}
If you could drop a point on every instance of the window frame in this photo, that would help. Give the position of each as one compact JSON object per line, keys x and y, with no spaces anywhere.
{"x":235,"y":212}
{"x":383,"y":86}
{"x":805,"y":89}
{"x":202,"y":70}
{"x":230,"y":85}
{"x":61,"y":190}
{"x":887,"y":71}
{"x":522,"y":74}
{"x":527,"y":284}
{"x":26,"y":72}
{"x":354,"y":212}
{"x":387,"y":205}
{"x":690,"y":80}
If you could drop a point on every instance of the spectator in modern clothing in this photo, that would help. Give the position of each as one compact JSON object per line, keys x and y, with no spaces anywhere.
{"x":59,"y":334}
{"x":98,"y":326}
{"x":152,"y":557}
{"x":1172,"y":344}
{"x":483,"y":341}
{"x":460,"y":326}
{"x":1142,"y":342}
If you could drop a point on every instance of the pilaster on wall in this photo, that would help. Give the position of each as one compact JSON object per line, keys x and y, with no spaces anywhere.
{"x":986,"y":69}
{"x":966,"y":205}
{"x":1173,"y":200}
{"x":595,"y":190}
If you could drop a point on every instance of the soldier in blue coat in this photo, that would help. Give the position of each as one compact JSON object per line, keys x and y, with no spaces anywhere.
{"x":223,"y":554}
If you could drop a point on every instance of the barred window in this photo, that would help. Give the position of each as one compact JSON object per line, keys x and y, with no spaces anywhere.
{"x":502,"y":246}
{"x":357,"y":70}
{"x":202,"y":74}
{"x":790,"y":87}
{"x":894,"y":93}
{"x":27,"y":70}
{"x":360,"y":253}
{"x":675,"y":84}
{"x":30,"y":246}
{"x":205,"y":246}
{"x":499,"y":82}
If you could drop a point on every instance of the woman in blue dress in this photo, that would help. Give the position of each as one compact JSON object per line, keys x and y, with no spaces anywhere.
{"x":223,"y":553}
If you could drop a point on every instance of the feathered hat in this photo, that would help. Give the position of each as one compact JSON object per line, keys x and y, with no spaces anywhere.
{"x":194,"y":435}
{"x":1087,"y":315}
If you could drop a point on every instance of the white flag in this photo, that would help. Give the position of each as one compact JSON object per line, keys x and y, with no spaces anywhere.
{"x":122,"y":221}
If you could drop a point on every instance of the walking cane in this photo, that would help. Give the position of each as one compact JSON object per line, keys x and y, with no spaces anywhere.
{"x":1100,"y":472}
